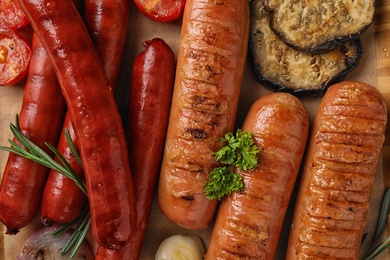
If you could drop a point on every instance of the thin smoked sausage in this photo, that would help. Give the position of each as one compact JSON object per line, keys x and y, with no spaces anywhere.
{"x":94,"y":115}
{"x":40,"y":119}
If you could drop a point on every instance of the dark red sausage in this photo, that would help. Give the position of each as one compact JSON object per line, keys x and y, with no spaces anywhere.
{"x":107,"y":22}
{"x":62,"y":200}
{"x":147,"y":122}
{"x":40,"y":118}
{"x":94,"y":116}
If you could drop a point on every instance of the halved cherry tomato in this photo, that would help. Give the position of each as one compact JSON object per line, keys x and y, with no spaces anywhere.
{"x":15,"y":55}
{"x":161,"y":10}
{"x":12,"y":15}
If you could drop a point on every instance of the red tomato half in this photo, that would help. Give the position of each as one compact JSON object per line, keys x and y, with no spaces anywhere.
{"x":12,"y":15}
{"x":161,"y":10}
{"x":15,"y":55}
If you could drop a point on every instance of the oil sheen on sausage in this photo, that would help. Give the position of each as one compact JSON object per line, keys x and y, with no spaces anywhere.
{"x":211,"y":61}
{"x":333,"y":199}
{"x":249,"y":222}
{"x":94,"y":116}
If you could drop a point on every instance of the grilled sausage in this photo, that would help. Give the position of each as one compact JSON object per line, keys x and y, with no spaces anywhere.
{"x":211,"y":59}
{"x":249,"y":222}
{"x":107,"y":23}
{"x":94,"y":115}
{"x":40,"y":119}
{"x":147,"y":122}
{"x":334,"y":193}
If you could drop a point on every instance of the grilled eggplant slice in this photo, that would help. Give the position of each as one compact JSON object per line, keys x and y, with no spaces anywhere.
{"x":286,"y":69}
{"x":319,"y":25}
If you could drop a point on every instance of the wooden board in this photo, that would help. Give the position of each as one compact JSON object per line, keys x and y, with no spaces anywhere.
{"x":374,"y":69}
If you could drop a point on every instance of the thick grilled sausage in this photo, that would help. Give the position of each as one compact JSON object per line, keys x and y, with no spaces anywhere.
{"x":147,"y":121}
{"x":94,"y":115}
{"x":211,"y":59}
{"x":107,"y":22}
{"x":40,"y":119}
{"x":334,"y":193}
{"x":249,"y":223}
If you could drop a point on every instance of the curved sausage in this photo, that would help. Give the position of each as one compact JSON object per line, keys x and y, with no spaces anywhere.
{"x":211,"y":61}
{"x":334,"y":193}
{"x":40,"y":119}
{"x":147,"y":122}
{"x":94,"y":115}
{"x":62,"y":200}
{"x":107,"y":22}
{"x":249,"y":223}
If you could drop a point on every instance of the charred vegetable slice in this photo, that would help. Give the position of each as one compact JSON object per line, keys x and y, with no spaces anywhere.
{"x":320,"y":25}
{"x":287,"y":69}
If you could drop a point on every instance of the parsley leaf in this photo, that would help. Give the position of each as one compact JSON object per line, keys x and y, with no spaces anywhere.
{"x":241,"y":152}
{"x":222,"y":182}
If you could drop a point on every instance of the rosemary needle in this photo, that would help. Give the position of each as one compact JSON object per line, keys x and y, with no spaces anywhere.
{"x":27,"y":149}
{"x":380,"y":228}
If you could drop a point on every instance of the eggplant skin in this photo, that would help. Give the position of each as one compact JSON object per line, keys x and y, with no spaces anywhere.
{"x":318,"y":26}
{"x":283,"y":68}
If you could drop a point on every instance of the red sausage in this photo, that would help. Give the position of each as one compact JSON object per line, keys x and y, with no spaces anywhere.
{"x":147,"y":122}
{"x":94,"y":115}
{"x":40,"y":118}
{"x":210,"y":66}
{"x":107,"y":22}
{"x":334,"y":192}
{"x":62,"y":200}
{"x":248,"y":223}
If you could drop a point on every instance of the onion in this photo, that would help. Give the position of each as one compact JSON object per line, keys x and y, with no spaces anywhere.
{"x":180,"y":247}
{"x":42,"y":245}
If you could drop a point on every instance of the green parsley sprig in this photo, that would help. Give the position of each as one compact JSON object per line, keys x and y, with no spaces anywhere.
{"x":29,"y":150}
{"x":241,"y":152}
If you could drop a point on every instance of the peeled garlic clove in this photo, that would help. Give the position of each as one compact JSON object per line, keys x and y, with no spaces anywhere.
{"x":179,"y":247}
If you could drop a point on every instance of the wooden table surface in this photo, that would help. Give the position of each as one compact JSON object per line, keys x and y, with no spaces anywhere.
{"x":382,"y":40}
{"x":382,"y":46}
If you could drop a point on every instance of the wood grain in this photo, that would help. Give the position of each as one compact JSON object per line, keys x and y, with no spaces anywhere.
{"x":381,"y":28}
{"x":382,"y":40}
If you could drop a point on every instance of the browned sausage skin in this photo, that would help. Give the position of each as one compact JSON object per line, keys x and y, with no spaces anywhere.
{"x":107,"y":23}
{"x":62,"y":200}
{"x":147,"y":122}
{"x":211,"y":59}
{"x":249,"y":223}
{"x":94,"y":115}
{"x":40,"y":119}
{"x":333,"y":200}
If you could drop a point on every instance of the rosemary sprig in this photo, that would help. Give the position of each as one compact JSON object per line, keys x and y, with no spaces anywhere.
{"x":380,"y":228}
{"x":27,"y":149}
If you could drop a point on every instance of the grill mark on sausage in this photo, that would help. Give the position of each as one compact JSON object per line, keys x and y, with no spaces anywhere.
{"x":209,"y":74}
{"x":343,"y":167}
{"x":246,"y":233}
{"x":230,"y":255}
{"x":340,"y":195}
{"x":307,"y":251}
